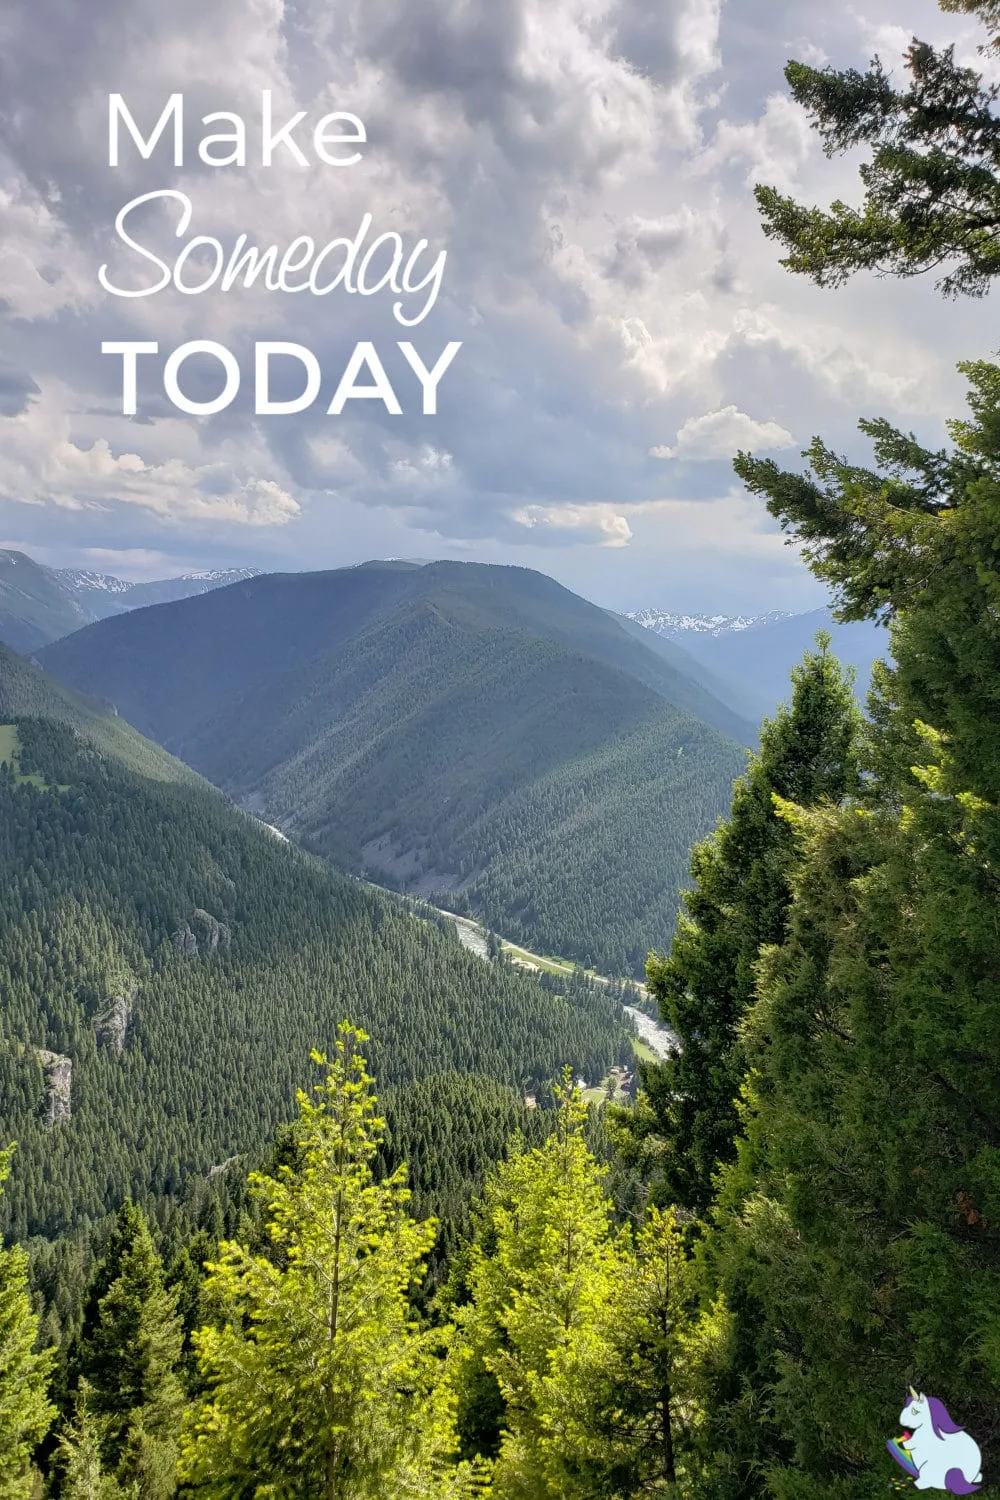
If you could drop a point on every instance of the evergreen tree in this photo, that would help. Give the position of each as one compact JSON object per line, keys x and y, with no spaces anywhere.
{"x":25,"y":1410}
{"x":861,"y":1207}
{"x":576,"y":1352}
{"x":686,"y":1118}
{"x":128,"y":1355}
{"x":319,"y":1379}
{"x":932,"y":186}
{"x":621,"y":1400}
{"x":852,"y":1238}
{"x":78,"y":1456}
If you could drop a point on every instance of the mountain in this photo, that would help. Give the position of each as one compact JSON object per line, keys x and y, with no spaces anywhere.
{"x":40,"y":604}
{"x":475,"y":732}
{"x":761,"y":657}
{"x":35,"y":607}
{"x":104,"y":595}
{"x":27,"y":691}
{"x":166,"y":964}
{"x":678,"y":627}
{"x":673,"y":650}
{"x":748,"y":660}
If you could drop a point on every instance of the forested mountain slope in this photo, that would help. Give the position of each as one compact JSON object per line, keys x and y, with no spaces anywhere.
{"x":450,"y":728}
{"x":167,"y":964}
{"x":25,"y":690}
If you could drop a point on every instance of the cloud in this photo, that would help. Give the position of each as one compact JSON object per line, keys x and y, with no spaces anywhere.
{"x":588,"y":165}
{"x":722,"y":434}
{"x":772,"y":149}
{"x":574,"y":524}
{"x":139,"y":563}
{"x":42,"y":463}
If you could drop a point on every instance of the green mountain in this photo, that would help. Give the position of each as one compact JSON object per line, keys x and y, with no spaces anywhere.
{"x":475,"y":732}
{"x":35,"y":605}
{"x":167,"y":963}
{"x":27,"y":691}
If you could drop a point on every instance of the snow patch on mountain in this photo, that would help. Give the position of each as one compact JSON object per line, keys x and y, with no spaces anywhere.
{"x":675,"y":626}
{"x":103,"y":583}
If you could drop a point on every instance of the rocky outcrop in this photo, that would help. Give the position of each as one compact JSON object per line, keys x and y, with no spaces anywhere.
{"x":58,"y":1071}
{"x":215,"y":934}
{"x":202,"y":931}
{"x":113,"y":1022}
{"x":185,"y":941}
{"x":222,"y":1166}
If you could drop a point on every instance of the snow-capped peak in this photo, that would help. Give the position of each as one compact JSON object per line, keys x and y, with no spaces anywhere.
{"x":78,"y":578}
{"x":674,"y":626}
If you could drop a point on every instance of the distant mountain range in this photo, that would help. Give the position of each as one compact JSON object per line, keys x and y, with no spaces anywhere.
{"x":749,"y":659}
{"x":730,"y":670}
{"x":40,"y":604}
{"x":107,"y":595}
{"x":478,"y":734}
{"x":475,"y":733}
{"x":678,"y":627}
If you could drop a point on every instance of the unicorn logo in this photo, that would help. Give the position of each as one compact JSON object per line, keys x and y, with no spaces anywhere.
{"x":934,"y":1451}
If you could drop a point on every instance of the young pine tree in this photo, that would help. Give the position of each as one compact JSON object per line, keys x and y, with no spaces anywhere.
{"x":581,"y":1331}
{"x":25,"y":1410}
{"x":78,"y":1456}
{"x":319,"y":1380}
{"x":686,"y":1120}
{"x":621,"y":1400}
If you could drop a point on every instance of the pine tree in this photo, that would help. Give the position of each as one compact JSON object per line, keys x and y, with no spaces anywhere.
{"x":128,"y":1354}
{"x":539,"y":1279}
{"x":585,"y":1333}
{"x":621,"y":1400}
{"x":862,"y":1204}
{"x":78,"y":1456}
{"x":932,"y":186}
{"x":25,"y":1410}
{"x":319,"y":1379}
{"x":686,"y":1119}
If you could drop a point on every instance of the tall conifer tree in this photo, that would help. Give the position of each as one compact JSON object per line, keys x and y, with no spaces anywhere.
{"x":686,"y":1118}
{"x":128,"y":1355}
{"x":859,"y":1216}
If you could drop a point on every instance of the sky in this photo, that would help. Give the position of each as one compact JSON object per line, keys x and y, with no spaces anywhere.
{"x":587,"y":168}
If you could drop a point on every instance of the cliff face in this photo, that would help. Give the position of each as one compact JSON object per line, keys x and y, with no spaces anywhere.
{"x":113,"y":1022}
{"x":203,"y":931}
{"x":216,"y":934}
{"x":58,"y":1071}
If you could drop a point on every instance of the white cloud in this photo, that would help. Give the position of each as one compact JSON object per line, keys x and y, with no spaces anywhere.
{"x":588,"y":165}
{"x":574,"y":524}
{"x":43,"y":462}
{"x":773,"y":148}
{"x":722,"y":434}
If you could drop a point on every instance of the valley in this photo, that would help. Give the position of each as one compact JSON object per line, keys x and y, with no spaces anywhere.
{"x":186,"y":959}
{"x":475,"y":736}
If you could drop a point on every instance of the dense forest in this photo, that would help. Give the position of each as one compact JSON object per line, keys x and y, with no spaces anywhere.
{"x":739,"y":1285}
{"x":478,"y":733}
{"x":168,"y":964}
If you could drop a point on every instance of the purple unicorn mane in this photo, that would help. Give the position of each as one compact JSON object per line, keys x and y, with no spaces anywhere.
{"x":941,"y":1422}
